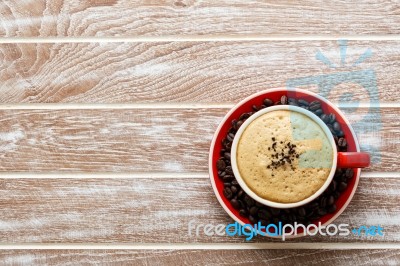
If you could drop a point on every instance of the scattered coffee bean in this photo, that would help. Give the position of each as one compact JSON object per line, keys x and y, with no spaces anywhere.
{"x":264,"y":214}
{"x":221,"y":165}
{"x":340,"y":133}
{"x":332,"y":208}
{"x":268,"y":102}
{"x":349,"y":173}
{"x":255,"y":108}
{"x":235,"y":204}
{"x":336,"y":126}
{"x":342,"y":143}
{"x":239,"y":123}
{"x":303,"y":102}
{"x":243,"y":212}
{"x":331,"y":200}
{"x":234,"y":189}
{"x":227,"y":155}
{"x":315,"y":105}
{"x":318,"y":112}
{"x":332,"y":118}
{"x":284,"y":99}
{"x":321,"y":212}
{"x":325,"y":118}
{"x":252,"y":219}
{"x":228,"y":193}
{"x":342,"y":186}
{"x":249,"y":201}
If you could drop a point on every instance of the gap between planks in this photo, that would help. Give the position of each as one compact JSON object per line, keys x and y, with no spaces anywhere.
{"x":201,"y":38}
{"x":205,"y":246}
{"x":94,"y":106}
{"x":13,"y":175}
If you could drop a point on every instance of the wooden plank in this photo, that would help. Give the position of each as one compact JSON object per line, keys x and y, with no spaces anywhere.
{"x":200,"y":72}
{"x":186,"y":17}
{"x":158,"y":210}
{"x":201,"y":257}
{"x":143,"y":140}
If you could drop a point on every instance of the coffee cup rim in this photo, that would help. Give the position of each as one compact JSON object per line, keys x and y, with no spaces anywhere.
{"x":243,"y":184}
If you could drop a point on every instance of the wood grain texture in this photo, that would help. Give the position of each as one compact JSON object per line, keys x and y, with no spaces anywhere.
{"x":145,"y":140}
{"x":158,"y":210}
{"x":191,"y":17}
{"x":191,"y":72}
{"x":201,"y":257}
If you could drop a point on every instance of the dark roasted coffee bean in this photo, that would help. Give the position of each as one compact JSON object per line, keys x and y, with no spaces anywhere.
{"x":284,"y":99}
{"x":259,"y":204}
{"x":239,"y":123}
{"x":252,"y":220}
{"x":342,"y":186}
{"x":313,"y":205}
{"x":305,"y":107}
{"x":255,"y":108}
{"x":253,"y":210}
{"x":322,"y":202}
{"x":292,"y":100}
{"x":321,"y":212}
{"x":336,"y":194}
{"x":303,"y":102}
{"x":243,"y":212}
{"x":241,"y":203}
{"x":330,"y":200}
{"x":229,"y":137}
{"x":235,"y":183}
{"x":221,"y":152}
{"x":340,"y":133}
{"x":332,"y":208}
{"x":275,"y":212}
{"x":244,"y":116}
{"x":349,"y":173}
{"x":227,"y":184}
{"x":221,"y":164}
{"x":315,"y":105}
{"x":332,"y":187}
{"x":268,"y":102}
{"x":227,"y":155}
{"x":336,"y":126}
{"x":229,"y":170}
{"x":222,"y":174}
{"x":325,"y":118}
{"x":342,"y":143}
{"x":240,"y":193}
{"x":235,"y":204}
{"x":332,"y":118}
{"x":228,"y":193}
{"x":234,"y":189}
{"x":264,"y":214}
{"x":227,"y":178}
{"x":331,"y":129}
{"x":301,"y":211}
{"x":249,"y":201}
{"x":318,"y":112}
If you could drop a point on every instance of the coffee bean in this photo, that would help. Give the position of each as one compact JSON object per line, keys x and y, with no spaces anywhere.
{"x":303,"y":102}
{"x":249,"y":201}
{"x":227,"y":184}
{"x":332,"y":118}
{"x":332,"y":208}
{"x":253,"y":210}
{"x":252,"y":219}
{"x":264,"y":214}
{"x":332,"y":187}
{"x":336,"y":126}
{"x":227,"y":178}
{"x":268,"y":102}
{"x":255,"y":108}
{"x":229,"y":170}
{"x":340,"y":133}
{"x":315,"y":105}
{"x":325,"y":118}
{"x":318,"y":112}
{"x":234,"y":189}
{"x":313,"y":205}
{"x":275,"y":212}
{"x":221,"y":164}
{"x":349,"y":173}
{"x":238,"y":124}
{"x":227,"y":155}
{"x":330,"y":200}
{"x":244,"y":116}
{"x":342,"y":186}
{"x":331,"y":129}
{"x":228,"y":193}
{"x":235,"y":183}
{"x":322,"y":202}
{"x":321,"y":212}
{"x":301,"y":211}
{"x":342,"y":143}
{"x":284,"y":99}
{"x":235,"y":204}
{"x":243,"y":212}
{"x":240,"y":193}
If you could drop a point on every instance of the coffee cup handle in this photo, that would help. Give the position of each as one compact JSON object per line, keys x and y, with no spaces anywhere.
{"x":353,"y":160}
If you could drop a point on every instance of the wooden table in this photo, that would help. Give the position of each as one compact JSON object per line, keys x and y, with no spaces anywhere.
{"x":108,"y":108}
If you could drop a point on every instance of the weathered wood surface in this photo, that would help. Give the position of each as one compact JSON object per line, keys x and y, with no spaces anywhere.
{"x":157,"y":210}
{"x":189,"y":17}
{"x":142,"y":140}
{"x":201,"y":257}
{"x":190,"y":72}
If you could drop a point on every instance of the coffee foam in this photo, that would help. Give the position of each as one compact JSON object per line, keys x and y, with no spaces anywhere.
{"x":284,"y":184}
